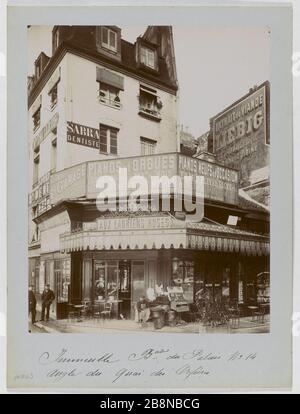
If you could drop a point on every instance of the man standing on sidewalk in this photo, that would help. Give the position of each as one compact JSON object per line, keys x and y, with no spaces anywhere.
{"x":47,"y":298}
{"x":32,"y":304}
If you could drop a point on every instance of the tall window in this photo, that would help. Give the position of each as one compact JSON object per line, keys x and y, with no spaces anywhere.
{"x":53,"y":96}
{"x":53,"y":154}
{"x":148,"y":57}
{"x":148,"y":146}
{"x":36,"y":119}
{"x":38,"y":68}
{"x":109,"y":95}
{"x":36,"y":163}
{"x":55,"y":40}
{"x":150,"y":104}
{"x":108,"y":139}
{"x":109,"y":39}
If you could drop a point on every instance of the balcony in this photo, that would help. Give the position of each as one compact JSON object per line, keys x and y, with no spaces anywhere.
{"x":153,"y":114}
{"x":113,"y":103}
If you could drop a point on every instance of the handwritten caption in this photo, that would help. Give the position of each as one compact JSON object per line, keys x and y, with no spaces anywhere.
{"x":195,"y":364}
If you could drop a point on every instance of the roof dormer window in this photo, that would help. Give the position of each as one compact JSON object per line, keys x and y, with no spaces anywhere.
{"x":148,"y":57}
{"x":55,"y":39}
{"x":109,"y":39}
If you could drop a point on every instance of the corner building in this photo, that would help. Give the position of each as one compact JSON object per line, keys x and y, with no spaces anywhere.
{"x":100,"y":103}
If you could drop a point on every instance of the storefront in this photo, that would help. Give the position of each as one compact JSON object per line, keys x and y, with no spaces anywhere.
{"x":148,"y":255}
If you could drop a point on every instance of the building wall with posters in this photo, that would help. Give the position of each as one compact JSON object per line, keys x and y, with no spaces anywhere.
{"x":240,"y":136}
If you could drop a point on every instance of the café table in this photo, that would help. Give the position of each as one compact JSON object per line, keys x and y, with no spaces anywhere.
{"x":253,"y":309}
{"x":78,"y":308}
{"x":102,"y":303}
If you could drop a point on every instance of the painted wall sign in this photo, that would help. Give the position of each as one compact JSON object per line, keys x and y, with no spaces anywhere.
{"x":220,"y":183}
{"x":241,"y":133}
{"x":138,"y":223}
{"x":68,"y":184}
{"x":41,"y":190}
{"x":83,"y":135}
{"x":45,"y":131}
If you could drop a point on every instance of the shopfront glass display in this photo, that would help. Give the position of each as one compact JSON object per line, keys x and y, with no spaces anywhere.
{"x":106,"y":280}
{"x":263,"y":287}
{"x":183,"y":276}
{"x":62,"y":270}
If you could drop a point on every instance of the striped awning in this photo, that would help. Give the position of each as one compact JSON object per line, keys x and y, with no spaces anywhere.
{"x":150,"y":232}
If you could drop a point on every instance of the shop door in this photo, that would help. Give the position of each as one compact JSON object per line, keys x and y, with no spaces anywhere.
{"x":138,"y":283}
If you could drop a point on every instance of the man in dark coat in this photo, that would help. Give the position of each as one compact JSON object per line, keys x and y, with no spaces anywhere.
{"x":47,"y":298}
{"x":32,"y":304}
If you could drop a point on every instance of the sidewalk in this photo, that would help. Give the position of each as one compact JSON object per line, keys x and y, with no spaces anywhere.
{"x":246,"y":325}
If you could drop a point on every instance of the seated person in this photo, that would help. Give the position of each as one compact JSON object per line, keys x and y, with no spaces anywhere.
{"x":143,"y":310}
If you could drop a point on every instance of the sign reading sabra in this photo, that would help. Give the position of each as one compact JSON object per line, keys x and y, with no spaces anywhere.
{"x":241,"y":133}
{"x":83,"y":135}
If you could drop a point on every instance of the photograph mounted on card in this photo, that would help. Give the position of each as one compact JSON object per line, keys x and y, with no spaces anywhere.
{"x":149,"y":169}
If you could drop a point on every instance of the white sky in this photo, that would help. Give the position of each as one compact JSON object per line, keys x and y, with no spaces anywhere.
{"x":215,"y":65}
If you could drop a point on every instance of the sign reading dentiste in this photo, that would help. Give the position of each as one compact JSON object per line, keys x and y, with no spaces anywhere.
{"x":83,"y":135}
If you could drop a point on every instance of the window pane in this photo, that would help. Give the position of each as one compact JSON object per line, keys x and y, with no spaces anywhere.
{"x":112,"y":39}
{"x":104,"y":35}
{"x":113,"y":141}
{"x":103,"y":138}
{"x":99,"y":281}
{"x":150,"y":58}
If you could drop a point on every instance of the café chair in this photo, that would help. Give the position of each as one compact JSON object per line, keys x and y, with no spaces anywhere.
{"x":260,"y":315}
{"x":106,"y":313}
{"x":96,"y":312}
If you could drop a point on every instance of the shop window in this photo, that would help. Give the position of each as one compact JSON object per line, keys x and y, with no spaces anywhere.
{"x":263,"y":287}
{"x":183,"y":276}
{"x":106,"y":280}
{"x":62,"y":272}
{"x":150,"y":104}
{"x":36,"y":119}
{"x":109,"y":95}
{"x":108,"y":140}
{"x":148,"y":146}
{"x":109,"y":39}
{"x":147,"y":57}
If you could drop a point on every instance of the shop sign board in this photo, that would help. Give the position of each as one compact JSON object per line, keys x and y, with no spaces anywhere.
{"x":220,"y":183}
{"x":68,"y":184}
{"x":240,"y":133}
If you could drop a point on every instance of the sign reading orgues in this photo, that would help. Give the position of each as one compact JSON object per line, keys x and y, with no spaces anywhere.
{"x":83,"y":135}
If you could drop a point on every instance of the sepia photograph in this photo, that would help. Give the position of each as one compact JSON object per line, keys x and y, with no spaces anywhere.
{"x":149,"y":179}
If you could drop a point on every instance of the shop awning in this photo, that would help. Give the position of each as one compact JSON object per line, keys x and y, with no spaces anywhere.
{"x":156,"y":232}
{"x":110,"y":78}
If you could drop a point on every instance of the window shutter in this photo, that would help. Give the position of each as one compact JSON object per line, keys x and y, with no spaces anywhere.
{"x":113,"y":141}
{"x":110,"y":78}
{"x":103,"y":138}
